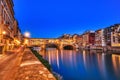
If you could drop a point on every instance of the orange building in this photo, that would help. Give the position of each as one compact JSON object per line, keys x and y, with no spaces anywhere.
{"x":99,"y":39}
{"x":115,"y":35}
{"x":18,"y":37}
{"x":6,"y":25}
{"x":88,"y":39}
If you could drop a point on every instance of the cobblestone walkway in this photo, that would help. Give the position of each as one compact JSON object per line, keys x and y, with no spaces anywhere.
{"x":32,"y":69}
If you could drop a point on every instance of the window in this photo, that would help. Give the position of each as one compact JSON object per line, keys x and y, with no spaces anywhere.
{"x":113,"y":38}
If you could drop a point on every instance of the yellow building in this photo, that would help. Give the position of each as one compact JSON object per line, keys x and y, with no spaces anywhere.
{"x":115,"y":35}
{"x":6,"y":25}
{"x":99,"y":39}
{"x":17,"y":35}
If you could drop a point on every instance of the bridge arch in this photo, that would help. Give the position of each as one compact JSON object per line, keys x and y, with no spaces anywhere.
{"x":51,"y":45}
{"x":68,"y":47}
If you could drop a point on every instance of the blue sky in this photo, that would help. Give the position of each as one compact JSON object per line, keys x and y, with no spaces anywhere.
{"x":52,"y":18}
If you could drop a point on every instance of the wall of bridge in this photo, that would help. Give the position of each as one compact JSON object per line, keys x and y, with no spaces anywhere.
{"x":43,"y":42}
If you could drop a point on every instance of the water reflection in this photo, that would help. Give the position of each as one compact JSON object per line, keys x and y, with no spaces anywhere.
{"x":84,"y":65}
{"x":116,"y":64}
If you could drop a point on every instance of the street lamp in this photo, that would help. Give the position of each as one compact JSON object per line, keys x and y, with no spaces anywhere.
{"x":26,"y":40}
{"x":27,"y":34}
{"x":4,"y":32}
{"x":1,"y":41}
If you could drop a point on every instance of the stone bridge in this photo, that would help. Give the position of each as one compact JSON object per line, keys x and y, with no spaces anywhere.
{"x":52,"y":42}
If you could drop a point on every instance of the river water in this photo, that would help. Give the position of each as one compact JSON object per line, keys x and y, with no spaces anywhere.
{"x":84,"y":65}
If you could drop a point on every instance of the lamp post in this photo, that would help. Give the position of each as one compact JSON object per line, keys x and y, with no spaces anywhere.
{"x":4,"y":32}
{"x":27,"y":34}
{"x":26,"y":41}
{"x":2,"y":35}
{"x":1,"y":41}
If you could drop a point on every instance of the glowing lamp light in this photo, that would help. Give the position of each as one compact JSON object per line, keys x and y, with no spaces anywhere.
{"x":18,"y":41}
{"x":27,"y":34}
{"x":26,"y":41}
{"x":3,"y":32}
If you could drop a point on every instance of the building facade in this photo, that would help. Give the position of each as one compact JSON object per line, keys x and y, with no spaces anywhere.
{"x":99,"y":39}
{"x":107,"y":35}
{"x":88,"y":39}
{"x":80,"y":41}
{"x":75,"y":38}
{"x":65,"y":36}
{"x":18,"y":37}
{"x":7,"y":25}
{"x":115,"y":35}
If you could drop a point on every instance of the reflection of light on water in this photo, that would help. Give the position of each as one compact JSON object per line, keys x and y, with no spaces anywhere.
{"x":42,"y":52}
{"x":57,"y":59}
{"x":53,"y":56}
{"x":49,"y":57}
{"x":103,"y":65}
{"x":37,"y":48}
{"x":62,"y":55}
{"x":67,"y":57}
{"x":70,"y":57}
{"x":99,"y":57}
{"x":85,"y":64}
{"x":84,"y":59}
{"x":116,"y":63}
{"x":75,"y":59}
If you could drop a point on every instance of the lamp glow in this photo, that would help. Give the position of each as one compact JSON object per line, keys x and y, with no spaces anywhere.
{"x":27,"y":34}
{"x":3,"y":32}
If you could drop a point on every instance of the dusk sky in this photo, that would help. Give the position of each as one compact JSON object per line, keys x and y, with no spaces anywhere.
{"x":52,"y":18}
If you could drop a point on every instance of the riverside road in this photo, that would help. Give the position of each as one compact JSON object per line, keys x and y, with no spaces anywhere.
{"x":21,"y":64}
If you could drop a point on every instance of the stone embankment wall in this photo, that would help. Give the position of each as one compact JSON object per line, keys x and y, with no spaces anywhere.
{"x":32,"y":69}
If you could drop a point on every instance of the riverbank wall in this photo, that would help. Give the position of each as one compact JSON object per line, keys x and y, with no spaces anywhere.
{"x":103,"y":49}
{"x":32,"y":69}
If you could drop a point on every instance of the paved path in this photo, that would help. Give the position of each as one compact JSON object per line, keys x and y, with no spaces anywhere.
{"x":32,"y":69}
{"x":9,"y":64}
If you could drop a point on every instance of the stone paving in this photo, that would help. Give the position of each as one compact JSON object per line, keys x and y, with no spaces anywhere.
{"x":32,"y":69}
{"x":9,"y":64}
{"x":2,"y":56}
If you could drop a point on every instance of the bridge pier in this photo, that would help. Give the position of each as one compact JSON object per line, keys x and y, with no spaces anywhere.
{"x":43,"y":47}
{"x":61,"y":46}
